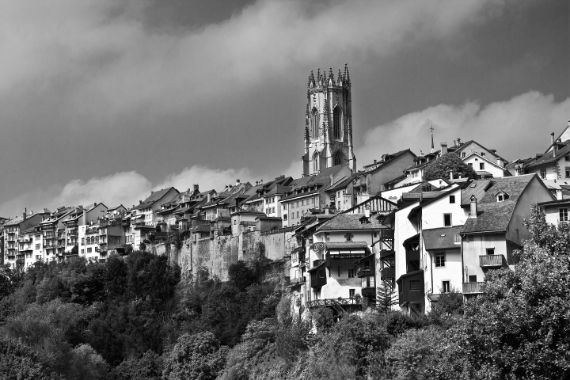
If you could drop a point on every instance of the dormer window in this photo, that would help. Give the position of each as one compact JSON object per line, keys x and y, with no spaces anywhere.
{"x":502,"y":196}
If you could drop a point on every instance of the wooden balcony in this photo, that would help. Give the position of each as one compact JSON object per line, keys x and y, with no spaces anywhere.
{"x":491,"y":261}
{"x":388,"y":273}
{"x":364,"y":271}
{"x":332,"y":302}
{"x":473,"y":288}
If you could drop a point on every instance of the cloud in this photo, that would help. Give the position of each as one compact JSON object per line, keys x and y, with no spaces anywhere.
{"x":125,"y":188}
{"x":515,"y":127}
{"x":97,"y":55}
{"x":205,"y":177}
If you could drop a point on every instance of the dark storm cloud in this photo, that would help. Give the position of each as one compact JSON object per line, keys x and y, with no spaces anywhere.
{"x":98,"y":89}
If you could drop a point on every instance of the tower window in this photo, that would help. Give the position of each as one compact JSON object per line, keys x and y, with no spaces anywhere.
{"x":316,"y":163}
{"x":336,"y":123}
{"x":315,"y":123}
{"x":337,"y":158}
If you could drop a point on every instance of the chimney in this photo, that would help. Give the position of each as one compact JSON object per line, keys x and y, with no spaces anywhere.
{"x":553,"y":143}
{"x":473,"y":207}
{"x":500,"y":163}
{"x":367,"y":213}
{"x":25,"y":214}
{"x":209,"y":197}
{"x":458,"y":141}
{"x":84,"y":217}
{"x":451,"y":174}
{"x":238,"y":182}
{"x":196,"y":188}
{"x":443,"y":148}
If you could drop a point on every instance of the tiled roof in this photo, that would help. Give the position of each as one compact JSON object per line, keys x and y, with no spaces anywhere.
{"x":154,"y":197}
{"x":486,"y":190}
{"x":319,"y":180}
{"x":441,"y":238}
{"x":342,"y":222}
{"x":342,"y":183}
{"x":491,"y":217}
{"x":548,"y":158}
{"x":389,"y":158}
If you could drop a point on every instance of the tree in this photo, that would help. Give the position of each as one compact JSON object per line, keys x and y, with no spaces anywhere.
{"x":386,"y":296}
{"x":519,"y":328}
{"x":18,"y":361}
{"x":449,"y":162}
{"x":147,"y":367}
{"x":197,"y":356}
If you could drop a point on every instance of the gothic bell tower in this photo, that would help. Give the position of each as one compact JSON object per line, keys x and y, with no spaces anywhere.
{"x":328,"y":122}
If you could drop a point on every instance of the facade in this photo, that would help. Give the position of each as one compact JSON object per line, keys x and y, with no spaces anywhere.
{"x":328,"y":122}
{"x":556,"y":212}
{"x":307,"y":194}
{"x":20,"y":230}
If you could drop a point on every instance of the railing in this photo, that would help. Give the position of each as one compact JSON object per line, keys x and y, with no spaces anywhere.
{"x":387,"y":253}
{"x":388,"y":273}
{"x":491,"y":261}
{"x":335,"y":302}
{"x":297,"y":281}
{"x":473,"y":287}
{"x":363,"y":271}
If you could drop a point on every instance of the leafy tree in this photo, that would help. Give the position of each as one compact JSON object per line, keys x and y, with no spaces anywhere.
{"x":18,"y":361}
{"x":519,"y":328}
{"x":197,"y":356}
{"x":147,"y":367}
{"x":241,"y":275}
{"x":87,"y":364}
{"x":449,"y":162}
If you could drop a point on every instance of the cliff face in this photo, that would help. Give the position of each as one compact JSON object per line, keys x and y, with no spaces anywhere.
{"x":217,"y":254}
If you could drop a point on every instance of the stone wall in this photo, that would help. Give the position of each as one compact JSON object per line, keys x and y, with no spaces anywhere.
{"x":217,"y":254}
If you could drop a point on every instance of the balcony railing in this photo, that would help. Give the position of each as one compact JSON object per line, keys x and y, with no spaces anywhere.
{"x":473,"y":287}
{"x":332,"y":302}
{"x":363,"y":271}
{"x":388,"y":273}
{"x":491,"y":261}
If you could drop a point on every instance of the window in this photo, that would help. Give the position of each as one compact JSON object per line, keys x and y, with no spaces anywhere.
{"x":481,"y":166}
{"x":490,"y":251}
{"x":351,"y":273}
{"x":89,"y":250}
{"x":457,"y":239}
{"x":502,"y":197}
{"x":463,"y":154}
{"x":82,"y":241}
{"x":336,"y":123}
{"x":470,"y":164}
{"x":482,"y":154}
{"x":348,"y":236}
{"x":314,"y":123}
{"x":563,"y":213}
{"x":473,"y":278}
{"x":445,"y":288}
{"x":351,"y":293}
{"x":567,"y":172}
{"x":337,"y":158}
{"x":440,"y":260}
{"x":447,"y":220}
{"x":37,"y":246}
{"x":543,"y":173}
{"x":83,"y":250}
{"x":452,"y":199}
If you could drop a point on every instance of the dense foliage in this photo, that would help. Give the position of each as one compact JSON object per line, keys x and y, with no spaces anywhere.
{"x":133,"y":319}
{"x":449,"y":162}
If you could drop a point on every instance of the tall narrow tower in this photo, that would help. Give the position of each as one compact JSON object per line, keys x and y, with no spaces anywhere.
{"x":328,"y":122}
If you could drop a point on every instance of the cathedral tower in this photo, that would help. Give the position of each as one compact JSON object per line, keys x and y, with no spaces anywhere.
{"x":328,"y":122}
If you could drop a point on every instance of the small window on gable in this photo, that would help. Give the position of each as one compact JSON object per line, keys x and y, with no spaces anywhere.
{"x":482,"y":154}
{"x":502,"y":196}
{"x":463,"y":154}
{"x":452,"y":199}
{"x":447,"y":220}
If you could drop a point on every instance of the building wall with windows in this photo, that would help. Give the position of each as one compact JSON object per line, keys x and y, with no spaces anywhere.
{"x":556,"y":212}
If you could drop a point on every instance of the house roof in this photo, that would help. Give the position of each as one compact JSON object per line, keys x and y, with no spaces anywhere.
{"x":485,"y":191}
{"x":153,"y":198}
{"x":389,"y":158}
{"x":467,"y":143}
{"x":346,"y":245}
{"x":350,"y":222}
{"x":491,"y":217}
{"x":555,"y":203}
{"x":441,"y":238}
{"x":342,"y":183}
{"x":549,"y":158}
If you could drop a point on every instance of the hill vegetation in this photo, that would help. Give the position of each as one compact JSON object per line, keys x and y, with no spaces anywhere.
{"x":133,"y":318}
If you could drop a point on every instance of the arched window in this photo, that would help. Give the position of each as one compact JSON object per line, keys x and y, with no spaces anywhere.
{"x":316,"y":163}
{"x":336,"y":123}
{"x":338,"y":158}
{"x":314,"y":123}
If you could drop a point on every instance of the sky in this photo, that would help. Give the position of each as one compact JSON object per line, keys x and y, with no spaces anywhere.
{"x":106,"y":100}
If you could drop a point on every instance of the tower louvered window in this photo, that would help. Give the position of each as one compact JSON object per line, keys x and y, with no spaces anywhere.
{"x":336,"y":123}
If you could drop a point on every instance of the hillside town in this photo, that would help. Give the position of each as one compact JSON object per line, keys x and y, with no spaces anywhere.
{"x":416,"y":225}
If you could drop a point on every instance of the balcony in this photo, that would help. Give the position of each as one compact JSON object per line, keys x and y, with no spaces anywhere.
{"x":369,"y":293}
{"x":364,"y":271}
{"x":473,"y":288}
{"x":334,"y":302}
{"x":386,"y":253}
{"x":491,"y":261}
{"x":388,"y":273}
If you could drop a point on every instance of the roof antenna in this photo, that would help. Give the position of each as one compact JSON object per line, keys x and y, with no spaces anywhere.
{"x":431,"y":129}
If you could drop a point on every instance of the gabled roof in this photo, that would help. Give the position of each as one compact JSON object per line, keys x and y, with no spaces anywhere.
{"x":350,"y":222}
{"x":485,"y":190}
{"x":318,"y":181}
{"x":467,"y":143}
{"x":342,"y":183}
{"x":389,"y":158}
{"x":491,"y":217}
{"x":154,"y":197}
{"x":441,"y":238}
{"x":549,"y":158}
